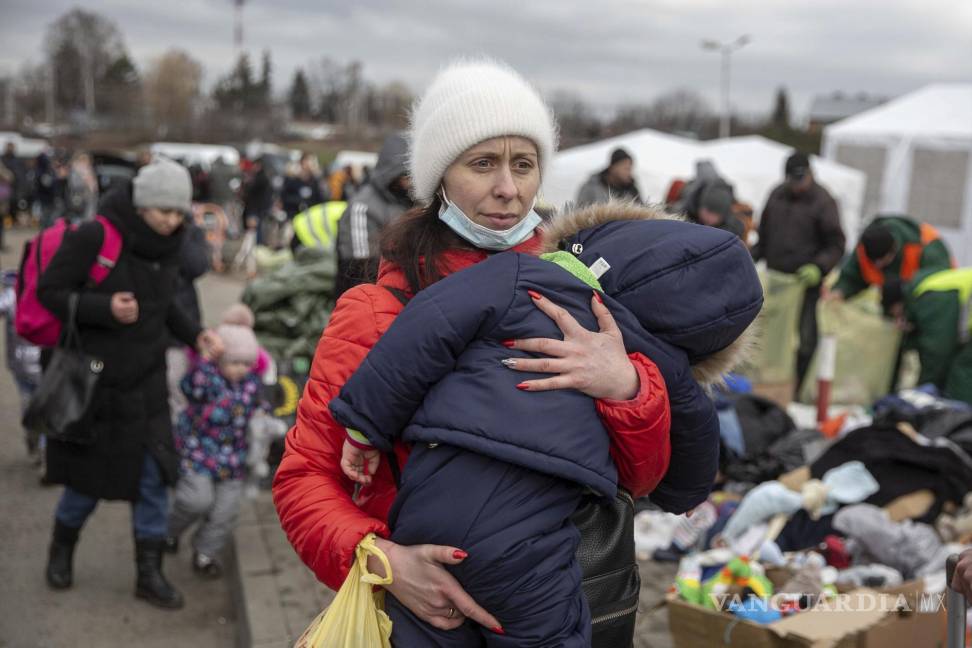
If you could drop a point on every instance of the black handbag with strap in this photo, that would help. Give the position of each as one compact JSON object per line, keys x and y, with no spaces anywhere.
{"x":62,"y":401}
{"x":610,"y":577}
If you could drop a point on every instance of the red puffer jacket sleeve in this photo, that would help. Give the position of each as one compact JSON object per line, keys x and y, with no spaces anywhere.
{"x":640,"y":444}
{"x":312,"y":495}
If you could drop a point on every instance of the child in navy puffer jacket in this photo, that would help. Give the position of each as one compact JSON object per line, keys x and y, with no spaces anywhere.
{"x":498,"y":471}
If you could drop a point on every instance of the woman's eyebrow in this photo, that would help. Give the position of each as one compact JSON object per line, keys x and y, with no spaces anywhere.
{"x":475,"y":155}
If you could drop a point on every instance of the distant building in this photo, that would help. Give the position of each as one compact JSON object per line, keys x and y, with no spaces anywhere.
{"x":827,"y":109}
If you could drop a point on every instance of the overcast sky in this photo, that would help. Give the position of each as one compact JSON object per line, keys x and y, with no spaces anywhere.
{"x":609,"y":51}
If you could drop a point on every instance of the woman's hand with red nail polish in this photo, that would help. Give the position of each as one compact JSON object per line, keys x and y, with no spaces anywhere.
{"x":424,"y":586}
{"x":594,"y":363}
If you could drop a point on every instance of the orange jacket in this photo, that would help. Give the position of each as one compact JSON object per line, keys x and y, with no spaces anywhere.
{"x":314,"y":499}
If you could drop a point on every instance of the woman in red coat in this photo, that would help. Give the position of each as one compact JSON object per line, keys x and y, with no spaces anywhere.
{"x":480,"y":139}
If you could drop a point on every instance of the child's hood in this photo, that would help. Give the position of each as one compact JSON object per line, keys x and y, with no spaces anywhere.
{"x":693,"y":286}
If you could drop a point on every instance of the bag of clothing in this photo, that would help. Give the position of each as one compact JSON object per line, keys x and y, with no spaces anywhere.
{"x":356,"y":618}
{"x":861,"y":332}
{"x":292,"y":304}
{"x":63,"y":399}
{"x":774,"y":360}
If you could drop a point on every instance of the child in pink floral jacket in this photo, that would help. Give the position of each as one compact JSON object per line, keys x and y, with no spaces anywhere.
{"x":211,"y":436}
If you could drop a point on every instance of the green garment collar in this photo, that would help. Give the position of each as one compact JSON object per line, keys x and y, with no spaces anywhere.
{"x":574,"y":266}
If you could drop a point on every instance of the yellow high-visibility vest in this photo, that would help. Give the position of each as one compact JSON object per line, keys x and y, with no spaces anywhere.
{"x":316,"y":226}
{"x":959,"y":280}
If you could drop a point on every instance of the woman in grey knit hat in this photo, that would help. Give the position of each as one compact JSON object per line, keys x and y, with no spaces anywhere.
{"x":124,"y":321}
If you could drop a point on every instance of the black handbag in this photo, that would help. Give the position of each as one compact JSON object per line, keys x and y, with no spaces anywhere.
{"x":59,"y":406}
{"x":611,"y":580}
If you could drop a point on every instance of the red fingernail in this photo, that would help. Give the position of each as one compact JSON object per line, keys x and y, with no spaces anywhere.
{"x":459,"y":554}
{"x":597,"y":296}
{"x":534,"y":294}
{"x":508,"y":343}
{"x":498,"y":630}
{"x":523,"y":386}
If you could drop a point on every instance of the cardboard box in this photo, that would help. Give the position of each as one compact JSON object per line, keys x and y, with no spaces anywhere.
{"x":868,"y":619}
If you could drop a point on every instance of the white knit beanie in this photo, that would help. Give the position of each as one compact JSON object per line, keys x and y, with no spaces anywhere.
{"x":467,"y":103}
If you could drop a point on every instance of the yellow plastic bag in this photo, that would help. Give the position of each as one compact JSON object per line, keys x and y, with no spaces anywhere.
{"x":356,"y":618}
{"x":774,"y":360}
{"x":867,"y":349}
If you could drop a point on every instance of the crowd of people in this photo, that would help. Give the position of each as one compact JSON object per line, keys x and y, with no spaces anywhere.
{"x":452,"y":382}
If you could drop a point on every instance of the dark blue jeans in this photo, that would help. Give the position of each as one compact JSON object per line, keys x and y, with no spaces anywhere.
{"x":150,"y":512}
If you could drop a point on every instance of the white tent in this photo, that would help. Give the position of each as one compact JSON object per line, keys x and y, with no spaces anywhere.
{"x":915,"y":152}
{"x":753,"y":164}
{"x":659,"y":158}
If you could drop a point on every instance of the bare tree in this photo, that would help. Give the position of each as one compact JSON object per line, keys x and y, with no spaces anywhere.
{"x":31,"y":90}
{"x":82,"y":47}
{"x":576,"y":118}
{"x":681,"y":110}
{"x":172,"y":92}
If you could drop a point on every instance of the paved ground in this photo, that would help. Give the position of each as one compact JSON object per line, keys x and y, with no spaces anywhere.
{"x":100,"y":611}
{"x":266,"y":601}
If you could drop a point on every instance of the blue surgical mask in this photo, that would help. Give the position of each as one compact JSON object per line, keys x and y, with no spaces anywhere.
{"x":483,"y":237}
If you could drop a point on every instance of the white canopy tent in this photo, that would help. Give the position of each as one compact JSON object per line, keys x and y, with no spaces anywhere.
{"x":752,"y":164}
{"x":658,"y":157}
{"x":916,"y":152}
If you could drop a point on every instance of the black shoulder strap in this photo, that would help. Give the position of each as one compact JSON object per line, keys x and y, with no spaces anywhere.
{"x":403,"y":297}
{"x":399,"y":294}
{"x":395,"y":470}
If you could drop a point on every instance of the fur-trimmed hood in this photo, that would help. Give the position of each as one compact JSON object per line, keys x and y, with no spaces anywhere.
{"x":693,"y":286}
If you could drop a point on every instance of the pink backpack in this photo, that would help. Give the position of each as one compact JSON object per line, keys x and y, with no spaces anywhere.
{"x":33,"y":322}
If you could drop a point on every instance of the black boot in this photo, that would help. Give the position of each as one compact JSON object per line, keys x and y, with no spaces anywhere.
{"x":151,"y":584}
{"x":60,"y":556}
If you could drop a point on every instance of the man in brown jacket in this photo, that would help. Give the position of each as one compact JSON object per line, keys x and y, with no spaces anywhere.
{"x":800,"y":233}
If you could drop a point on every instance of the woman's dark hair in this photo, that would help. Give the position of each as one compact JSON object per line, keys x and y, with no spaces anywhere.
{"x":416,"y":241}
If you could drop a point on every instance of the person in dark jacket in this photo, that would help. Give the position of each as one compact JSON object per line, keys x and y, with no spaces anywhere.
{"x":800,"y":233}
{"x":448,"y":347}
{"x":258,"y":199}
{"x":715,"y":210}
{"x":302,"y":189}
{"x":124,"y":321}
{"x":690,"y":197}
{"x":224,"y":185}
{"x":46,"y":189}
{"x":16,"y":173}
{"x":383,"y":199}
{"x":616,"y":182}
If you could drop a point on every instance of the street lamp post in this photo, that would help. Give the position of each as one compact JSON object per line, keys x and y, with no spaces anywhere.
{"x":726,"y":49}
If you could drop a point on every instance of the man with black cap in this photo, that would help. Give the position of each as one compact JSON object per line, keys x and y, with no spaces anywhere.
{"x":715,"y":210}
{"x":616,"y":182}
{"x":800,"y":234}
{"x":891,"y":247}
